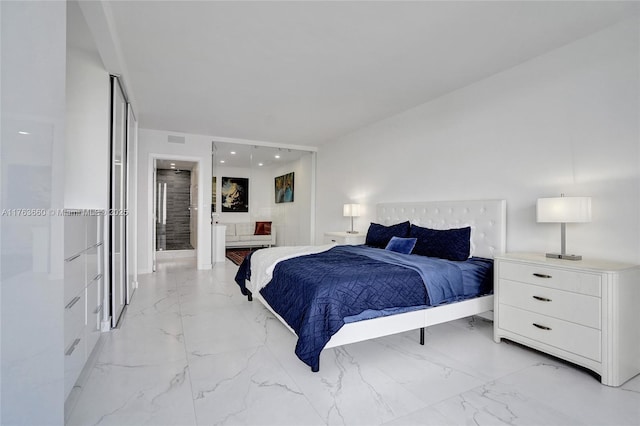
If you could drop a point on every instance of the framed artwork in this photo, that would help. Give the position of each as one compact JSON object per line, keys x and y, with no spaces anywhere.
{"x":284,"y":188}
{"x":213,"y":194}
{"x":235,"y":195}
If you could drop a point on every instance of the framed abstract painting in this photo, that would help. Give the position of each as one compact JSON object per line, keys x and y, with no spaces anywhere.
{"x":235,"y":195}
{"x":284,"y":188}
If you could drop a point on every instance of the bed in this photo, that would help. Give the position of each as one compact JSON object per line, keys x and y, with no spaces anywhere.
{"x":331,"y":295}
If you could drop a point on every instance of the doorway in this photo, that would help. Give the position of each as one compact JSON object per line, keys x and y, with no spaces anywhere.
{"x":176,"y":206}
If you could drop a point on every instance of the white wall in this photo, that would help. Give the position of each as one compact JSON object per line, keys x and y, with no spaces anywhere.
{"x":153,"y":143}
{"x":87,"y":139}
{"x":33,"y":55}
{"x":565,"y":122}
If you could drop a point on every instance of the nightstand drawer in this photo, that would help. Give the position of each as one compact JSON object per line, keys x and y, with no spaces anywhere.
{"x":564,"y":279}
{"x":564,"y":335}
{"x":344,"y":238}
{"x":578,"y":308}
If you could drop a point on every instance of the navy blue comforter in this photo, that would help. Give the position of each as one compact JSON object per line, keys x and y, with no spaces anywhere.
{"x":314,"y":293}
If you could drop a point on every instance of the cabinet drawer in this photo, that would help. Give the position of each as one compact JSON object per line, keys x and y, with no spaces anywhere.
{"x":74,"y":359}
{"x":93,"y":314}
{"x":577,"y":308}
{"x":74,"y":314}
{"x":93,"y":230}
{"x":563,"y":279}
{"x":574,"y":338}
{"x":94,"y":306}
{"x":331,"y":239}
{"x":74,"y":235}
{"x":344,"y":239}
{"x":74,"y":276}
{"x":92,"y":255}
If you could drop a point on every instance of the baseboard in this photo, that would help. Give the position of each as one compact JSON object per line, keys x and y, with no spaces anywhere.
{"x":174,"y":254}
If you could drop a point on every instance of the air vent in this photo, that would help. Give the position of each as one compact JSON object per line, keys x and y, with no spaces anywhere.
{"x":175,"y":139}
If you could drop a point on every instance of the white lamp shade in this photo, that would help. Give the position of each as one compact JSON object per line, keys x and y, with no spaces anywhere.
{"x":351,"y":210}
{"x":564,"y":209}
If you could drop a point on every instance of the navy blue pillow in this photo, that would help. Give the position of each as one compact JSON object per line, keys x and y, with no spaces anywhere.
{"x":451,"y":244}
{"x":380,"y":235}
{"x":401,"y":245}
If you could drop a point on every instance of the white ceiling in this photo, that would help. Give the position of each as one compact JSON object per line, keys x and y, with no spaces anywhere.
{"x":305,"y":73}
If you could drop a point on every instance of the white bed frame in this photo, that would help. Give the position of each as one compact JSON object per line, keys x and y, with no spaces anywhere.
{"x":487,"y":219}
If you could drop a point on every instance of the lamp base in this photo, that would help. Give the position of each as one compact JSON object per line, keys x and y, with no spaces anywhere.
{"x":352,"y":232}
{"x":564,"y":256}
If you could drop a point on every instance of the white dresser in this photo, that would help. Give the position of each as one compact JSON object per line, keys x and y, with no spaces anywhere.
{"x":83,"y":290}
{"x":583,"y":311}
{"x":344,"y":238}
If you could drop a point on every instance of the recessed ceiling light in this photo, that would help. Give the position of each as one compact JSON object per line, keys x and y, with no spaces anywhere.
{"x":173,"y":164}
{"x":22,"y":132}
{"x":173,"y":167}
{"x":233,"y":153}
{"x":222,"y":161}
{"x":260,"y":164}
{"x":277,"y":156}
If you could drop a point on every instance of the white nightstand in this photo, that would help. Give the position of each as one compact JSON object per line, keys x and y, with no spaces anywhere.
{"x":582,"y":311}
{"x":344,"y":238}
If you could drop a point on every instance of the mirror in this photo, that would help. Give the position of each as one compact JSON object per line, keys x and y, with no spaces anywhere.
{"x":263,"y":183}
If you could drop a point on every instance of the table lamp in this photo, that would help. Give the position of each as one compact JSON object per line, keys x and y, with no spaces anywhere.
{"x":564,"y":210}
{"x":351,"y":210}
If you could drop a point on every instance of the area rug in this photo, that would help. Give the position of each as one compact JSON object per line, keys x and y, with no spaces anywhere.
{"x":237,"y":255}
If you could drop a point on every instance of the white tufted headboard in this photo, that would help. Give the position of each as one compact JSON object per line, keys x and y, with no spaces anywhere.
{"x":487,"y":218}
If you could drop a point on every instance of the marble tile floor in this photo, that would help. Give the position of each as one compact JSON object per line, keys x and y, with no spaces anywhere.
{"x":193,"y":351}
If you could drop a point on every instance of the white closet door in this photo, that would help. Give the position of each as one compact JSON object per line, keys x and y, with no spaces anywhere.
{"x":118,"y":258}
{"x":131,"y":217}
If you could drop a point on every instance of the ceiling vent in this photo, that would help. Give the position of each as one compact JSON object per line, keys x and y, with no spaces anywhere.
{"x":175,"y":139}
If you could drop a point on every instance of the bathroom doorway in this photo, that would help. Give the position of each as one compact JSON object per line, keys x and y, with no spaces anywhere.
{"x":176,"y":207}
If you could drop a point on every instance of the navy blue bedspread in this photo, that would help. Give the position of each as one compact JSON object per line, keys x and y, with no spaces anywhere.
{"x":314,"y":293}
{"x":244,"y":273}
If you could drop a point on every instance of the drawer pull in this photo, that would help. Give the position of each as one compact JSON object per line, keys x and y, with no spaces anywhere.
{"x":72,"y":347}
{"x":97,"y":277}
{"x":72,"y":258}
{"x":541,"y":327}
{"x":542,"y":299}
{"x":73,"y":302}
{"x":98,"y":309}
{"x":535,"y":274}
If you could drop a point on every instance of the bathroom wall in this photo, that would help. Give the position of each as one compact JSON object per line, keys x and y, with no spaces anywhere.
{"x":174,"y":231}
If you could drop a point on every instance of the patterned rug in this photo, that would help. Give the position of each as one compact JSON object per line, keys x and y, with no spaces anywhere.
{"x":237,"y":255}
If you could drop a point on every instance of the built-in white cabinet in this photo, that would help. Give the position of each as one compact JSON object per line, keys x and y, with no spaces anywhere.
{"x":83,"y":289}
